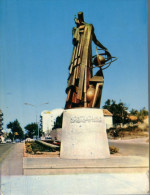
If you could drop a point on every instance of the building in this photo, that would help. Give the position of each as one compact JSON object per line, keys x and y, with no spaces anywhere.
{"x":48,"y":118}
{"x":108,"y":118}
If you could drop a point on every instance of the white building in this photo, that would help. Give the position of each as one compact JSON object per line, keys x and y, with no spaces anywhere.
{"x":108,"y":118}
{"x":48,"y":118}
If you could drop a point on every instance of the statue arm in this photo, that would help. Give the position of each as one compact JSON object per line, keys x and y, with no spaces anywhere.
{"x":98,"y":43}
{"x":75,"y":34}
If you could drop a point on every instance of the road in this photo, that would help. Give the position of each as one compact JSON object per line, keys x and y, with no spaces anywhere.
{"x":131,"y":148}
{"x":13,"y":162}
{"x":4,"y":150}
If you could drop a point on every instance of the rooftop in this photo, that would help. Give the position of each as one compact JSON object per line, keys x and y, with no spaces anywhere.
{"x":106,"y":112}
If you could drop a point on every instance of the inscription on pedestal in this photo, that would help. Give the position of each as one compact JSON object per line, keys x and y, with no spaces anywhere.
{"x":85,"y":119}
{"x":84,"y":134}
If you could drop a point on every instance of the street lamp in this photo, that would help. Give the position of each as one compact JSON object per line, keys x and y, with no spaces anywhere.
{"x":36,"y":106}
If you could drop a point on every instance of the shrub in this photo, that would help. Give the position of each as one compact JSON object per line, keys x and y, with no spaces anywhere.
{"x":34,"y":147}
{"x":29,"y":149}
{"x":113,"y":149}
{"x":28,"y":144}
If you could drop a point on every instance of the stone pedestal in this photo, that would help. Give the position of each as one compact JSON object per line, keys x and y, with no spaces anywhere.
{"x":84,"y":134}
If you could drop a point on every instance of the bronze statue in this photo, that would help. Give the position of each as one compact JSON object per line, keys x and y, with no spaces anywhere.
{"x":84,"y":89}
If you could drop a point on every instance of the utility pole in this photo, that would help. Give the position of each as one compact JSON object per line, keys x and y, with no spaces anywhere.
{"x":36,"y":106}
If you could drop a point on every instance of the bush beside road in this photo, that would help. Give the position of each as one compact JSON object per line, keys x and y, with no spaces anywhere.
{"x":129,"y":132}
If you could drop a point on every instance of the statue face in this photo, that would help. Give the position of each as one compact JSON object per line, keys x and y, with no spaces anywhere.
{"x":80,"y":21}
{"x":80,"y":17}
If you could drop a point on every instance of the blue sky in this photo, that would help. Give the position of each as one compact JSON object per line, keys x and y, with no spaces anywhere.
{"x":36,"y":47}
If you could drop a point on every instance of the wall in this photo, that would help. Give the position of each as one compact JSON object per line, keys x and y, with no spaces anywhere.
{"x":56,"y":134}
{"x":108,"y":121}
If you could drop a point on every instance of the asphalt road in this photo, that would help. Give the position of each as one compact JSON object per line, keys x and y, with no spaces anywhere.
{"x":132,"y":149}
{"x":13,"y":162}
{"x":4,"y":150}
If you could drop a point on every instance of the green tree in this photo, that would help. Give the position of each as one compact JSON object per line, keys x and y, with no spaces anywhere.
{"x":58,"y":122}
{"x":107,"y":104}
{"x":119,"y":111}
{"x":144,"y":112}
{"x":32,"y":130}
{"x":134,"y":112}
{"x":16,"y":130}
{"x":139,"y":114}
{"x":10,"y":136}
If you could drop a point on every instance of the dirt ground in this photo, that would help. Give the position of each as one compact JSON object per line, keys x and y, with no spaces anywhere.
{"x":126,"y":134}
{"x":42,"y":154}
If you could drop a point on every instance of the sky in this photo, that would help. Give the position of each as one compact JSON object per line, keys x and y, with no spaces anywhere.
{"x":36,"y":47}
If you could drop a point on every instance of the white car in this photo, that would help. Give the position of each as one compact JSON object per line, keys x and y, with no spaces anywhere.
{"x":8,"y":140}
{"x":29,"y":140}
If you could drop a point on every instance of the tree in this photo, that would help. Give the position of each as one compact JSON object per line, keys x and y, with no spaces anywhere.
{"x":108,"y":103}
{"x":58,"y":122}
{"x":32,"y":130}
{"x":134,"y":112}
{"x":119,"y":111}
{"x":144,"y":112}
{"x":139,"y":114}
{"x":10,"y":136}
{"x":16,"y":130}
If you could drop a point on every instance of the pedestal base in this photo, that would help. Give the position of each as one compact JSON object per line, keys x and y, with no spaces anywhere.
{"x":84,"y":134}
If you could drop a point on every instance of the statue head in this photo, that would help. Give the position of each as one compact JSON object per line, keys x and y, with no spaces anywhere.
{"x":80,"y":16}
{"x":80,"y":20}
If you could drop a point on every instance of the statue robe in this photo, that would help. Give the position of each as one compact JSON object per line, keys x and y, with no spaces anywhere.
{"x":80,"y":70}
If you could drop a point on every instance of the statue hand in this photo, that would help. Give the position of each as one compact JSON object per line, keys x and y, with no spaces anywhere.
{"x":108,"y":54}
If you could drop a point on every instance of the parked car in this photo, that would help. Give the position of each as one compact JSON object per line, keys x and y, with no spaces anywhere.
{"x":48,"y":137}
{"x":8,"y":141}
{"x":56,"y":142}
{"x":29,"y":140}
{"x":17,"y":140}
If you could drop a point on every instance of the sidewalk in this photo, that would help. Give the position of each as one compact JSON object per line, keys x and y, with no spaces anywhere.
{"x":114,"y":164}
{"x":76,"y":184}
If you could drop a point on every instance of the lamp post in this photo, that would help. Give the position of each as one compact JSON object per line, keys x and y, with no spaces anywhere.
{"x":36,"y":106}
